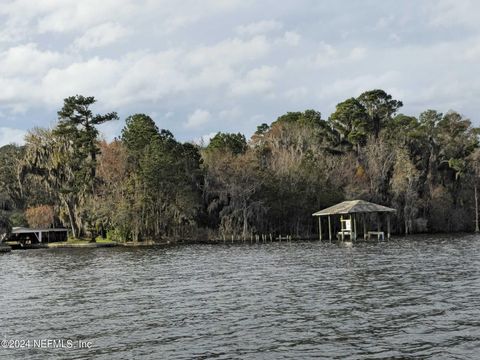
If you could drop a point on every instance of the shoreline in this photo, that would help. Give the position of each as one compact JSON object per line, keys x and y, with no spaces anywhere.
{"x":79,"y":245}
{"x":5,"y":247}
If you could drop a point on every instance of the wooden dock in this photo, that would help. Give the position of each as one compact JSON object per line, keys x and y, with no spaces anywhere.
{"x":349,"y":213}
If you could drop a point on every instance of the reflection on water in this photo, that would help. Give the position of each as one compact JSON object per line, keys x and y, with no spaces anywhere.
{"x":417,"y":297}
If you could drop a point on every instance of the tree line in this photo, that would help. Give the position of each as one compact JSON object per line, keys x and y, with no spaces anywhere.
{"x":147,"y":185}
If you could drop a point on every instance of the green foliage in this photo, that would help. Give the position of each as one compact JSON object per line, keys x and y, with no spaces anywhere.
{"x":350,"y":120}
{"x":308,"y":117}
{"x":233,"y":143}
{"x":157,"y":192}
{"x":5,"y":225}
{"x":148,"y":186}
{"x":10,"y":189}
{"x":65,"y":159}
{"x":115,"y":235}
{"x":430,"y":118}
{"x":262,"y":129}
{"x":17,"y":218}
{"x":5,"y":208}
{"x":139,"y":131}
{"x":380,"y":108}
{"x":77,"y":124}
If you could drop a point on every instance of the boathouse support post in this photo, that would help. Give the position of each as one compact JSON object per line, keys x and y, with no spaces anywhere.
{"x":378,"y":227}
{"x":341,"y":228}
{"x":355,"y":227}
{"x":329,"y":229}
{"x":364,"y":227}
{"x":320,"y":228}
{"x":388,"y":226}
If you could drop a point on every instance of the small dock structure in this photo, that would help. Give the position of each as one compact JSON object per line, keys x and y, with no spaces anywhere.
{"x":350,"y":214}
{"x":23,"y":235}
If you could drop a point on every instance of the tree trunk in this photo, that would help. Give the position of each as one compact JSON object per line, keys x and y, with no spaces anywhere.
{"x":245,"y":220}
{"x":72,"y":218}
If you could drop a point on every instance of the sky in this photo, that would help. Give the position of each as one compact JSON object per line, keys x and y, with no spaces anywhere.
{"x":199,"y":67}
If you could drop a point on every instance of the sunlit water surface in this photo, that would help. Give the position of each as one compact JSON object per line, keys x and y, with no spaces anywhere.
{"x":409,"y":298}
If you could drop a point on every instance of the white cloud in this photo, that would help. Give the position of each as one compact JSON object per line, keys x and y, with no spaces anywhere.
{"x":14,"y":92}
{"x":111,"y":129}
{"x":146,"y":76}
{"x":179,"y":15}
{"x":384,"y":22}
{"x":236,"y":58}
{"x":450,"y":13}
{"x":329,"y":55}
{"x":25,"y":18}
{"x":297,"y":93}
{"x":354,"y":86}
{"x":260,"y":27}
{"x":258,"y":80}
{"x":291,"y":38}
{"x":357,"y":53}
{"x":326,"y":55}
{"x":210,"y":76}
{"x":90,"y":77}
{"x":395,"y":37}
{"x":50,"y":16}
{"x":101,"y":35}
{"x":230,"y":114}
{"x":472,"y":53}
{"x":259,"y":119}
{"x":231,"y":51}
{"x":71,"y":15}
{"x":198,"y":118}
{"x":28,"y":59}
{"x":11,"y":136}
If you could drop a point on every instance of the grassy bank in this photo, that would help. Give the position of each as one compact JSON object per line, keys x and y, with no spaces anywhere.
{"x":99,"y":242}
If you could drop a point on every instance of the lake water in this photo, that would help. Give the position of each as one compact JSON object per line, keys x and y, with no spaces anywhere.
{"x":417,"y":298}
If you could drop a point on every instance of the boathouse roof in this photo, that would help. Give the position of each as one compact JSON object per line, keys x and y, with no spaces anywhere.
{"x":352,"y":207}
{"x":24,"y":230}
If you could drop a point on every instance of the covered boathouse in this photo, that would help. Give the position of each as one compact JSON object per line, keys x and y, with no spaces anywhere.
{"x":354,"y":216}
{"x":23,"y":235}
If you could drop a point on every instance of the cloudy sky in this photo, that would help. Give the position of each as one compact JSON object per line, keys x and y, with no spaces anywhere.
{"x":198,"y":67}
